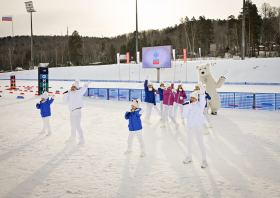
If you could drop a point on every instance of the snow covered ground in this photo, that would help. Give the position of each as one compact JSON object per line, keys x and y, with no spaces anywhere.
{"x":242,"y":149}
{"x":266,"y":70}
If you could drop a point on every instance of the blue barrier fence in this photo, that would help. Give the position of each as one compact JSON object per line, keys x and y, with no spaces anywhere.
{"x":237,"y":100}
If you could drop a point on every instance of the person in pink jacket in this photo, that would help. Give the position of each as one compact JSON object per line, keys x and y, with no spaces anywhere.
{"x":180,"y":96}
{"x":168,"y":100}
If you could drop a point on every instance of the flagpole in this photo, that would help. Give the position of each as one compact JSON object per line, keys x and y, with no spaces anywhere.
{"x":13,"y":26}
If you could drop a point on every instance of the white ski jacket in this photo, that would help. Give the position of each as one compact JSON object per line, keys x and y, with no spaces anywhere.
{"x":74,"y":98}
{"x":194,"y":112}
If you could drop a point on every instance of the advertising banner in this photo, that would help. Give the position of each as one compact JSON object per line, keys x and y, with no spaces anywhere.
{"x":43,"y":80}
{"x":13,"y":81}
{"x":138,"y":57}
{"x":118,"y":58}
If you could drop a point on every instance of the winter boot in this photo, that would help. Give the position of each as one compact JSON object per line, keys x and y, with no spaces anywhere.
{"x":188,"y":160}
{"x":163,"y":125}
{"x":69,"y":141}
{"x":42,"y":132}
{"x":142,"y":154}
{"x":81,"y":143}
{"x":206,"y":132}
{"x":127,"y":151}
{"x":204,"y":164}
{"x":176,"y":125}
{"x":48,"y":134}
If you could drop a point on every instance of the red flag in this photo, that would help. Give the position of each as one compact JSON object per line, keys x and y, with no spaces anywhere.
{"x":185,"y":55}
{"x":127,"y":57}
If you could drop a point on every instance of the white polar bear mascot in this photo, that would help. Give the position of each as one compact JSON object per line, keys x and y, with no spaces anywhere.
{"x":205,"y":76}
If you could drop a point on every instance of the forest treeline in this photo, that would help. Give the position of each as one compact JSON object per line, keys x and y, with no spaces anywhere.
{"x":262,"y":26}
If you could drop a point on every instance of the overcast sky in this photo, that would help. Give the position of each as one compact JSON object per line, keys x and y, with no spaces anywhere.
{"x":110,"y":17}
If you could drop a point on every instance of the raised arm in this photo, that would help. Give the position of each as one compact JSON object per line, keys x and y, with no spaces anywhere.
{"x":83,"y":90}
{"x":208,"y":96}
{"x":127,"y":115}
{"x":51,"y":101}
{"x":202,"y":100}
{"x":220,"y":82}
{"x":166,"y":92}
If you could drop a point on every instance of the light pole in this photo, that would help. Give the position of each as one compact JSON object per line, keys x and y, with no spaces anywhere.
{"x":243,"y":33}
{"x":30,"y":9}
{"x":136,"y":32}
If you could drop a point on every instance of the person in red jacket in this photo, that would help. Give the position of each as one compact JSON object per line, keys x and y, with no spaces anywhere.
{"x":168,"y":100}
{"x":180,"y":96}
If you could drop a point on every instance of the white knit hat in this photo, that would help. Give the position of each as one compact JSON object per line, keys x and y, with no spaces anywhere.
{"x":181,"y":84}
{"x":168,"y":85}
{"x":149,"y":83}
{"x":194,"y":95}
{"x":199,"y":84}
{"x":45,"y":95}
{"x":161,"y":82}
{"x":76,"y":83}
{"x":136,"y":103}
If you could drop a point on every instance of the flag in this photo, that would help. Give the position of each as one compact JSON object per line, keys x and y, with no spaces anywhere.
{"x":127,"y":57}
{"x":7,"y":18}
{"x":185,"y":55}
{"x":118,"y":58}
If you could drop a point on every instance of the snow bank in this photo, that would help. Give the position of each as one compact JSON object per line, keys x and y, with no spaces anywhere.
{"x":266,"y":70}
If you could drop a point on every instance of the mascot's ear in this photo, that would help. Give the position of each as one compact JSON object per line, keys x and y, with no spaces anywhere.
{"x":208,"y":64}
{"x":197,"y":66}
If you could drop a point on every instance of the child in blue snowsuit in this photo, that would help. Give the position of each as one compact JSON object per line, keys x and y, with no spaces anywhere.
{"x":135,"y":126}
{"x":45,"y":107}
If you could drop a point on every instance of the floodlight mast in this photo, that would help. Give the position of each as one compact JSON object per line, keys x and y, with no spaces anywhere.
{"x":29,"y":8}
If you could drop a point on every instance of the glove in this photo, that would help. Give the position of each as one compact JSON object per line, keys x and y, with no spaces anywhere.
{"x":38,"y":103}
{"x":127,"y":113}
{"x":87,"y":83}
{"x":202,"y":90}
{"x":186,"y":103}
{"x":66,"y":92}
{"x":141,"y":112}
{"x":181,"y":98}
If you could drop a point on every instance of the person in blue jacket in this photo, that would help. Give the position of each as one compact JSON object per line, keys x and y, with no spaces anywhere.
{"x":45,"y":107}
{"x":150,"y":99}
{"x":160,"y":91}
{"x":135,"y":126}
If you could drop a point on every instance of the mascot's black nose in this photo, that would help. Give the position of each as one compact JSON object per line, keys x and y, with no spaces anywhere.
{"x":202,"y":72}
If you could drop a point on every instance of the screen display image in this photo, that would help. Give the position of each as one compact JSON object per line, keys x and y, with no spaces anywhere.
{"x":154,"y":57}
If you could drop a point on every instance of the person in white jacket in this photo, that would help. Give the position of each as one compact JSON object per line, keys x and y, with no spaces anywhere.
{"x":75,"y":103}
{"x":194,"y":113}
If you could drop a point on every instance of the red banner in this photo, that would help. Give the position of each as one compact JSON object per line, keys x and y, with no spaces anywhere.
{"x":127,"y":57}
{"x":185,"y":55}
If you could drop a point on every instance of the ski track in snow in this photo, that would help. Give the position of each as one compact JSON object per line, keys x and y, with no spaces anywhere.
{"x":242,"y":149}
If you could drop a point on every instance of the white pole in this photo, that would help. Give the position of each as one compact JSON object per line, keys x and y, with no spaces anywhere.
{"x":13,"y":25}
{"x":200,"y":54}
{"x":139,"y":71}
